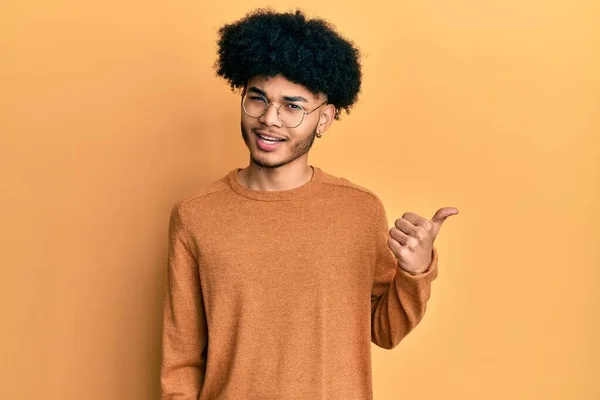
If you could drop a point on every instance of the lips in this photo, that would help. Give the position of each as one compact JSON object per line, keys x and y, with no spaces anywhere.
{"x":267,"y":135}
{"x":267,"y":146}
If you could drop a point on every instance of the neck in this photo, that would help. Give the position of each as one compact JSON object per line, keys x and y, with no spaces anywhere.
{"x":273,"y":179}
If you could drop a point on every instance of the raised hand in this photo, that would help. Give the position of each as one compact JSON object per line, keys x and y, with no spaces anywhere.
{"x":411,"y":240}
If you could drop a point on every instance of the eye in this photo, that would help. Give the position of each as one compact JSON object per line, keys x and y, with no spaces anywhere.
{"x":293,"y":107}
{"x":258,"y":98}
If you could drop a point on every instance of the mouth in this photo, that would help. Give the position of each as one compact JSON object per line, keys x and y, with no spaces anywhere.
{"x":267,"y":144}
{"x":270,"y":139}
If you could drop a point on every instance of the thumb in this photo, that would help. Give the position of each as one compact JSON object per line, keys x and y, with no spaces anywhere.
{"x":441,"y":215}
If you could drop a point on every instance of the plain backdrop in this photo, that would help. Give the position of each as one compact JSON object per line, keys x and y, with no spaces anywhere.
{"x":110,"y":111}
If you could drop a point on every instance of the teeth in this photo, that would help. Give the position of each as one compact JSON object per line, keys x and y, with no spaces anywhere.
{"x":270,"y":140}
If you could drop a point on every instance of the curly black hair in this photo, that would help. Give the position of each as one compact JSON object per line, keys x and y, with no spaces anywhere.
{"x":305,"y":51}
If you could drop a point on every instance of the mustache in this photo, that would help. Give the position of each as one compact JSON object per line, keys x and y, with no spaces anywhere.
{"x":266,"y":130}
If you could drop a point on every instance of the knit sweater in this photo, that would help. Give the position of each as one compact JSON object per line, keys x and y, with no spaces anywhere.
{"x":279,"y":294}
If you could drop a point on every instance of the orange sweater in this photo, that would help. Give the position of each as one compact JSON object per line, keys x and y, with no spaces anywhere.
{"x":279,"y":294}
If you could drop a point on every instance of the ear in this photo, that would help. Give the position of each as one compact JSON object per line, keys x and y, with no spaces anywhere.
{"x":326,"y":117}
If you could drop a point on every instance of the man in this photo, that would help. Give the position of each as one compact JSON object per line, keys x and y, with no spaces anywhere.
{"x":280,"y":275}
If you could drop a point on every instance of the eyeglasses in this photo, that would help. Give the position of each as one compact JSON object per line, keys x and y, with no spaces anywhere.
{"x":291,"y":115}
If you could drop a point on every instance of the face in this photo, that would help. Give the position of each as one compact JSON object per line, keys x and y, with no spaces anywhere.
{"x":298,"y":140}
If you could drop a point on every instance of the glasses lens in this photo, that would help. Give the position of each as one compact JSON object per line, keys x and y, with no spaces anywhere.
{"x":291,"y":115}
{"x":254,"y":105}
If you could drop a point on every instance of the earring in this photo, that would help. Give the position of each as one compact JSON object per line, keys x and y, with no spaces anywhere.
{"x":319,"y":135}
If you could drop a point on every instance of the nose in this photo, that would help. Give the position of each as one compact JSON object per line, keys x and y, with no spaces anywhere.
{"x":270,"y":116}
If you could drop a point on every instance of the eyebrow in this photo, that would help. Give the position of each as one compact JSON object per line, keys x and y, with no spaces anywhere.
{"x":286,"y":98}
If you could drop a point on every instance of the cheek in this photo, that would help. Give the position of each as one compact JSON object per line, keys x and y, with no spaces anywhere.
{"x":247,"y":123}
{"x":306,"y":133}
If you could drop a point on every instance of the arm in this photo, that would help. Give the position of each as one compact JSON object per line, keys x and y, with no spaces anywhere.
{"x":184,"y":338}
{"x":398,"y":298}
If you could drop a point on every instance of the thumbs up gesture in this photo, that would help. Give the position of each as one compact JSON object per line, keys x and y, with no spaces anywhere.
{"x":411,"y":240}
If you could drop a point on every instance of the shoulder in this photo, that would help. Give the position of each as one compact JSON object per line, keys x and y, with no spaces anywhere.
{"x":351,"y":189}
{"x":195,"y":200}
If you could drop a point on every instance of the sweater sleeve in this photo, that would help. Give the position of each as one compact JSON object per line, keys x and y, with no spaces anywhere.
{"x":398,"y":299}
{"x":185,"y":334}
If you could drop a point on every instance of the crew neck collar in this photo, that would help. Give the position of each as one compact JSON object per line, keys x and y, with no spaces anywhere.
{"x":274,"y":195}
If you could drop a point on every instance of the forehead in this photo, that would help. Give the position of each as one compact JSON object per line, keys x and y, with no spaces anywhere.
{"x":278,"y":86}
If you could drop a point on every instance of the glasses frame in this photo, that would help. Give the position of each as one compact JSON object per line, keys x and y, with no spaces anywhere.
{"x":269,"y":103}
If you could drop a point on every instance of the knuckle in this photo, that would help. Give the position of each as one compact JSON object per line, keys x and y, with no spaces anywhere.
{"x":420,"y":234}
{"x":404,"y":252}
{"x":413,"y":242}
{"x":427,"y":225}
{"x":417,"y":235}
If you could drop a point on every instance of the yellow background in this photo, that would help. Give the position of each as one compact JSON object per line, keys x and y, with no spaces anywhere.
{"x":110,"y":111}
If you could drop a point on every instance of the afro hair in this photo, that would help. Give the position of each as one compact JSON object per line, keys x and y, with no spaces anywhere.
{"x":305,"y":51}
